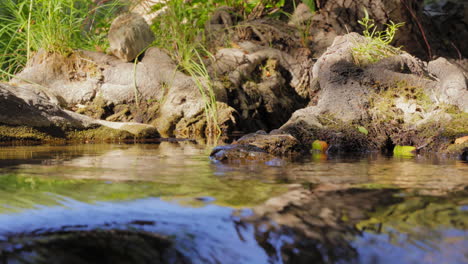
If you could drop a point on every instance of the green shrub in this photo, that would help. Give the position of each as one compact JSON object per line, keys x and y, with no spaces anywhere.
{"x":377,"y":43}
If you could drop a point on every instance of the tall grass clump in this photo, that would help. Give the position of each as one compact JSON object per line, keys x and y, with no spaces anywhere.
{"x":53,"y":25}
{"x":180,"y":30}
{"x":377,"y":43}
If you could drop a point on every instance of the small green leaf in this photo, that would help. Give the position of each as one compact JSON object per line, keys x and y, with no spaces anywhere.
{"x":363,"y":130}
{"x":404,"y":150}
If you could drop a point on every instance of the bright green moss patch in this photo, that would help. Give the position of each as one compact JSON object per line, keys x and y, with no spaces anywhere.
{"x":404,"y":151}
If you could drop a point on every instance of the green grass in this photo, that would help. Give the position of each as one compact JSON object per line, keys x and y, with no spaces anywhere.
{"x":61,"y":26}
{"x":180,"y":30}
{"x":377,"y":43}
{"x":27,"y":26}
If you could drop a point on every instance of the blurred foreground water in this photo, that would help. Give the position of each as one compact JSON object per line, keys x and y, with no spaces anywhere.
{"x":168,"y":203}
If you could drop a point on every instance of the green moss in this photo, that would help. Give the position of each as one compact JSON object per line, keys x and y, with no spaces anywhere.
{"x":383,"y":100}
{"x":439,"y":135}
{"x":404,"y":151}
{"x":99,"y":134}
{"x":121,"y":112}
{"x":456,"y":149}
{"x":13,"y":133}
{"x":392,"y":122}
{"x":458,"y":126}
{"x":10,"y":134}
{"x":141,"y":130}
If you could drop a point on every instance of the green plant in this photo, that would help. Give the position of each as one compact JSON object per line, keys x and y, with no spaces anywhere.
{"x":53,"y":25}
{"x":377,"y":43}
{"x":199,"y":73}
{"x":181,"y":32}
{"x":311,"y":4}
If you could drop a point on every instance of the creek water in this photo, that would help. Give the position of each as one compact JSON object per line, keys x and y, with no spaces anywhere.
{"x":169,"y":203}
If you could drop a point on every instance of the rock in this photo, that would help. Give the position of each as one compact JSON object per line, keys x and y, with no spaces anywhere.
{"x":264,"y":98}
{"x":282,"y":145}
{"x":31,"y":114}
{"x":395,"y":99}
{"x":30,"y":107}
{"x":453,"y":84}
{"x":322,"y":218}
{"x":146,"y":9}
{"x":240,"y":153}
{"x":129,"y":35}
{"x":301,"y":15}
{"x":66,"y":80}
{"x":260,"y":147}
{"x":168,"y":99}
{"x":65,"y":244}
{"x":461,"y":140}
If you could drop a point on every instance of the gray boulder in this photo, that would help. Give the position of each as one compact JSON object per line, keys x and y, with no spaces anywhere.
{"x":104,"y":87}
{"x":452,"y":87}
{"x":129,"y":35}
{"x":30,"y":107}
{"x":395,"y":101}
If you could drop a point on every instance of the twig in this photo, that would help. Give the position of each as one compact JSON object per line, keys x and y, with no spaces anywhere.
{"x":421,"y":29}
{"x":458,"y":51}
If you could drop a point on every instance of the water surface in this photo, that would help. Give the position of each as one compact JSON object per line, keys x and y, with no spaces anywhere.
{"x":169,"y":202}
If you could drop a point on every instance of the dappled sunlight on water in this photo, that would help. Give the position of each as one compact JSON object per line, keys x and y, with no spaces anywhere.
{"x":170,"y":201}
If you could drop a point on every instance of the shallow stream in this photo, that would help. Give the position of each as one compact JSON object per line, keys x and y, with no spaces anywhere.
{"x":168,"y":203}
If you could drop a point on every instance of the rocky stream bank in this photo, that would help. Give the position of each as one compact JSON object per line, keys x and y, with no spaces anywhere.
{"x":266,"y":81}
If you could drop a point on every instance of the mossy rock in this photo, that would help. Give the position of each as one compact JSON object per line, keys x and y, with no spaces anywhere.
{"x":20,"y":133}
{"x":141,"y":130}
{"x":96,"y":109}
{"x":346,"y":136}
{"x":101,"y":133}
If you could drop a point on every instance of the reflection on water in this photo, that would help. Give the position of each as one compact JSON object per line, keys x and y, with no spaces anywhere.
{"x":168,"y":203}
{"x":435,"y":229}
{"x":199,"y":233}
